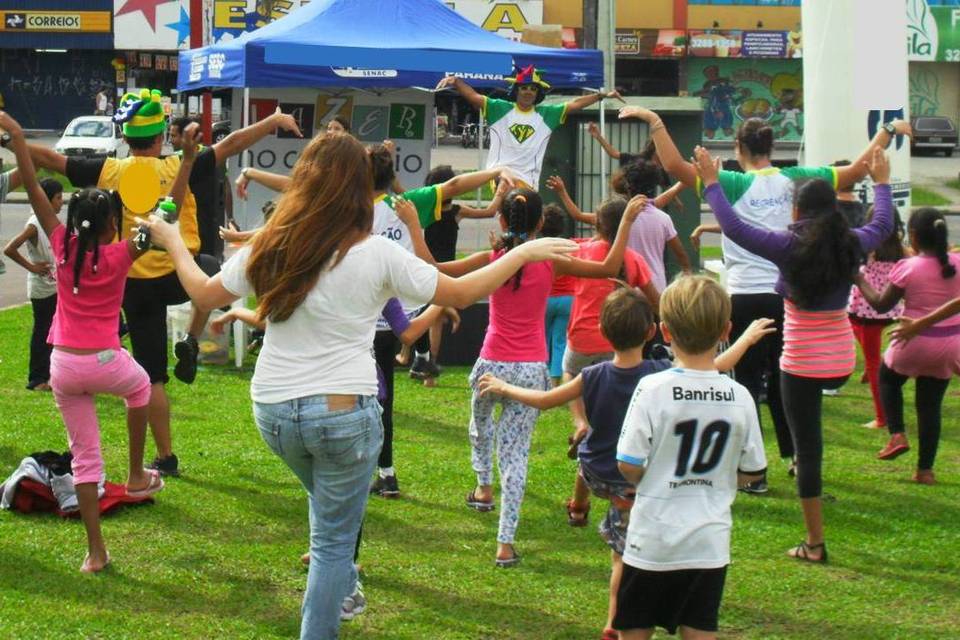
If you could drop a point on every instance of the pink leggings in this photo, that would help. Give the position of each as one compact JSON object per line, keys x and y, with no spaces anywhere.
{"x":75,"y":380}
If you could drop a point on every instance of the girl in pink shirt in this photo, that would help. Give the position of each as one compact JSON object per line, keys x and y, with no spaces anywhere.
{"x":923,"y":282}
{"x":87,"y":358}
{"x":514,"y":350}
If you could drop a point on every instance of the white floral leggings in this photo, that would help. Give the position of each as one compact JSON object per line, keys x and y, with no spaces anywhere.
{"x":511,"y":433}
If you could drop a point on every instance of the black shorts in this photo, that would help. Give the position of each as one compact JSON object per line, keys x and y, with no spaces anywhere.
{"x":145,"y":302}
{"x":669,"y":599}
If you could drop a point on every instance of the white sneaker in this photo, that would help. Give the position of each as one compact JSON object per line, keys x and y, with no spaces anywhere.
{"x":354,"y":604}
{"x":831,"y":392}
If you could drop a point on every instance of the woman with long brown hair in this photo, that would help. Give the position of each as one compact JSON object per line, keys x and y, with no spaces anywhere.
{"x":321,"y":280}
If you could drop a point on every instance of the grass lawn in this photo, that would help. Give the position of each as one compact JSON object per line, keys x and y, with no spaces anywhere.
{"x":217,"y":556}
{"x":920,"y":197}
{"x":954,"y":184}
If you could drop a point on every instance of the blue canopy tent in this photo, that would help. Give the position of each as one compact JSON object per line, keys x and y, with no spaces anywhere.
{"x":377,"y":44}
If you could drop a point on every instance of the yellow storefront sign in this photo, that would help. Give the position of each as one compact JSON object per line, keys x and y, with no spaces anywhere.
{"x":63,"y":21}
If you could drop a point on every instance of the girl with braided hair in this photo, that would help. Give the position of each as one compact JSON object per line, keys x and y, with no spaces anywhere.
{"x":87,"y":358}
{"x":923,"y":282}
{"x":514,"y":350}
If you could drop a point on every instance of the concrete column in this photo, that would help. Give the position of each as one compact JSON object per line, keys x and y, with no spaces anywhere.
{"x":854,"y":80}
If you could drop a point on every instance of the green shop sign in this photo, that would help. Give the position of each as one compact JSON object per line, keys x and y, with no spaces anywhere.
{"x":933,"y":33}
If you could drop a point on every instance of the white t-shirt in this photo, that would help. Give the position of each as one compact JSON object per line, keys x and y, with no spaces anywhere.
{"x":324,"y":347}
{"x":518,"y":139}
{"x":692,"y":430}
{"x":39,"y":250}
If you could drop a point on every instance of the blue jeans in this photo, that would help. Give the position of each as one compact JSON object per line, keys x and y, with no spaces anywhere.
{"x":333,"y":453}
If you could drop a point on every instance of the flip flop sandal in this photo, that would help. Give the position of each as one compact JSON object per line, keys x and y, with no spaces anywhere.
{"x":577,"y":517}
{"x":507,"y":563}
{"x":106,"y":565}
{"x":155,"y":485}
{"x":482,"y":506}
{"x":802,"y":552}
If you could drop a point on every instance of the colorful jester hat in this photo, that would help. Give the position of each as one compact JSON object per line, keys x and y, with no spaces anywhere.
{"x":141,"y":115}
{"x":528,"y":75}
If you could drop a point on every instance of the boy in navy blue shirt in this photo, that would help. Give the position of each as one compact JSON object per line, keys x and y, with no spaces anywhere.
{"x":627,"y":321}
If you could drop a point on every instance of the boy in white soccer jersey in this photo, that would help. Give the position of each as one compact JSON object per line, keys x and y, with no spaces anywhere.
{"x":688,"y":434}
{"x":520,"y":127}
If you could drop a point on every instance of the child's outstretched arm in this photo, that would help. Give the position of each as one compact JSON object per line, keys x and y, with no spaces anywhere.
{"x":422,"y":323}
{"x":272,"y":181}
{"x":611,"y":264}
{"x":408,"y":215}
{"x":557,"y":185}
{"x":465,"y":182}
{"x":676,"y":248}
{"x":910,"y":328}
{"x":667,"y":150}
{"x":882,"y":302}
{"x":751,"y":336}
{"x":668,"y":196}
{"x":702,"y":229}
{"x":467,"y":211}
{"x":244,"y":315}
{"x":556,"y":397}
{"x":594,"y":131}
{"x":38,"y":199}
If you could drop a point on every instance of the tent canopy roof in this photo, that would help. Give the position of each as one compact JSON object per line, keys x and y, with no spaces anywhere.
{"x":377,"y":44}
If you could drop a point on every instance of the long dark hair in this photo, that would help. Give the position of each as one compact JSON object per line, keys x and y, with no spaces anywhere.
{"x":522,"y":209}
{"x":929,"y":229}
{"x":328,"y":204}
{"x":891,"y":249}
{"x":89,"y":214}
{"x":825,"y":252}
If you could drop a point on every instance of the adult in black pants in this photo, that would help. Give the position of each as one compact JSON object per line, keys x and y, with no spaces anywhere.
{"x":763,"y":196}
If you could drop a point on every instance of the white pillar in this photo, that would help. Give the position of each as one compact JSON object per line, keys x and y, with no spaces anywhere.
{"x":854,"y":80}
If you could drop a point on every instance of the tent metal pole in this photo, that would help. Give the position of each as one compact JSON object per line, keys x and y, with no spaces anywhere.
{"x":603,"y":156}
{"x":480,"y":124}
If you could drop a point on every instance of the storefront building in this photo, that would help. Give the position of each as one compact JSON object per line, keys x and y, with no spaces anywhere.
{"x":55,"y":56}
{"x":934,"y":53}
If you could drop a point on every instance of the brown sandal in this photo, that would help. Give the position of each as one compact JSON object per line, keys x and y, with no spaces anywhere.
{"x":577,"y":517}
{"x":802,"y":552}
{"x":483,"y":506}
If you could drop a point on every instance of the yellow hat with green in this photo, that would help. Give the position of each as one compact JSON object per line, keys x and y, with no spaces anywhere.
{"x":141,"y":115}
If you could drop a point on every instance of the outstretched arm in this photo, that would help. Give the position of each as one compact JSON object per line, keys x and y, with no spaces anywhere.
{"x":676,"y":248}
{"x":557,"y":185}
{"x":882,"y":302}
{"x":463,"y":291}
{"x":855,"y":172}
{"x":910,"y":328}
{"x":38,"y":199}
{"x":556,"y":397}
{"x":44,"y":158}
{"x":667,"y":150}
{"x":611,"y":264}
{"x":272,"y":181}
{"x":594,"y":131}
{"x":753,"y":334}
{"x":578,"y":104}
{"x":669,"y":196}
{"x":465,"y":90}
{"x":249,"y":136}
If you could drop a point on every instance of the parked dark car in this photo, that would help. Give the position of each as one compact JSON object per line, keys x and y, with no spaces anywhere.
{"x":933,"y":133}
{"x":220,"y":130}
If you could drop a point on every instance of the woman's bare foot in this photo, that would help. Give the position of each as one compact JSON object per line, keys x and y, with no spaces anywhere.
{"x":95,"y":562}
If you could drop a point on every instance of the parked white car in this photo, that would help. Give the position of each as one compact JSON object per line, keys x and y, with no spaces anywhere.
{"x":92,"y":136}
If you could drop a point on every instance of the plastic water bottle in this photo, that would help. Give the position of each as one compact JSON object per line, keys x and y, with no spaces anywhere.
{"x":166,"y":211}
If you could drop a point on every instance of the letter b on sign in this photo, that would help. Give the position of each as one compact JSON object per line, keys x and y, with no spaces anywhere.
{"x":407,"y":121}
